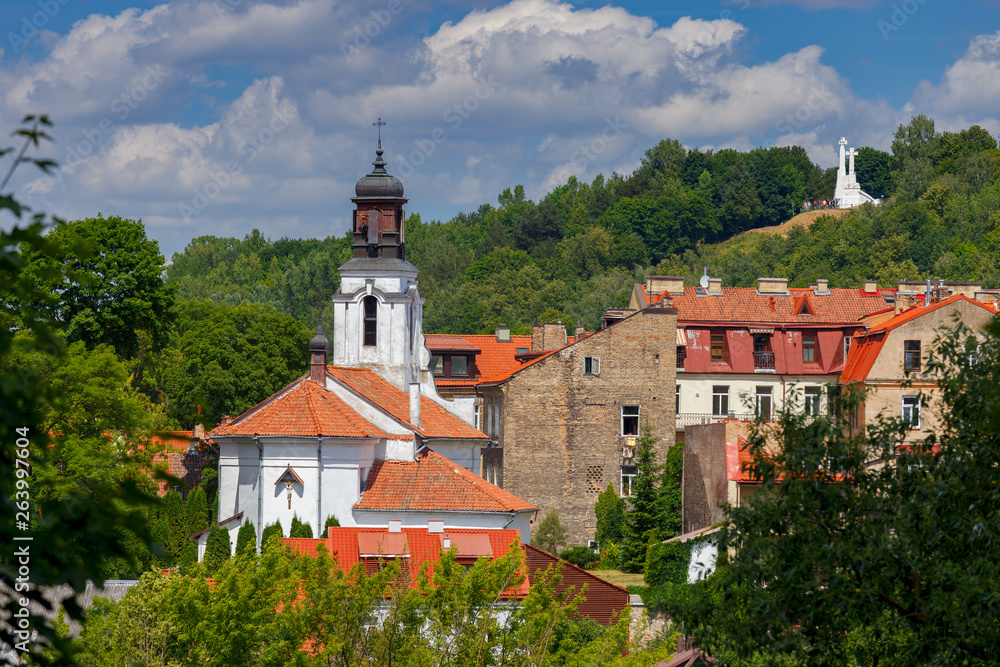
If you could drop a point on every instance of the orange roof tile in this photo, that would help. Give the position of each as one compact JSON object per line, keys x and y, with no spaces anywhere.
{"x":495,"y":360}
{"x":435,"y":421}
{"x":866,"y":347}
{"x":433,"y":483}
{"x":304,"y":409}
{"x":342,"y":544}
{"x":744,"y":304}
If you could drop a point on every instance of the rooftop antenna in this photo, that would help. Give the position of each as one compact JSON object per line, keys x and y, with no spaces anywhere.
{"x":704,"y":280}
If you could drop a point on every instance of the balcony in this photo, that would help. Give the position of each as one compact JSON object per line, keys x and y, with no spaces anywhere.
{"x":763,"y":361}
{"x":694,"y":418}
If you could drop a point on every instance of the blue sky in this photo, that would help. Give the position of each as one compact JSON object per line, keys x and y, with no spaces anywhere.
{"x":218,"y":116}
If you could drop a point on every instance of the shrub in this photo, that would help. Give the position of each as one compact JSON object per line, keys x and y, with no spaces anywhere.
{"x":246,"y":540}
{"x":217,"y":549}
{"x":300,"y":528}
{"x":273,"y":531}
{"x":550,"y":534}
{"x":667,"y":562}
{"x":331,"y":522}
{"x":610,"y":557}
{"x":584,"y":557}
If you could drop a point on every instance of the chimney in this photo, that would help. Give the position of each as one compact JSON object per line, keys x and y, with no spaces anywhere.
{"x":772,"y":285}
{"x":199,"y":431}
{"x":415,"y":404}
{"x":869,"y":286}
{"x":503,"y":333}
{"x":822,"y":286}
{"x":553,"y":337}
{"x":903,"y":303}
{"x":537,"y":337}
{"x":579,"y":332}
{"x":715,"y":285}
{"x":226,"y":420}
{"x":318,"y":348}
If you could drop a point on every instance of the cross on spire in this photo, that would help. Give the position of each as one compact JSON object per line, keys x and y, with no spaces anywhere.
{"x":379,"y":124}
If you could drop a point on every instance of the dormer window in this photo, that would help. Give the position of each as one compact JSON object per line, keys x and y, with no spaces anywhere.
{"x":371,"y":321}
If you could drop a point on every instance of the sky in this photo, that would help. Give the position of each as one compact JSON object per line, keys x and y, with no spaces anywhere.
{"x":215,"y":117}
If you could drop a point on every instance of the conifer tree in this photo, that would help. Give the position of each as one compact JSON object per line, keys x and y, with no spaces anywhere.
{"x":550,"y":536}
{"x":641,"y":524}
{"x":218,"y":548}
{"x":610,"y":511}
{"x":196,"y":515}
{"x":669,"y":521}
{"x":246,"y":540}
{"x":300,"y":528}
{"x":273,"y":530}
{"x":173,"y":515}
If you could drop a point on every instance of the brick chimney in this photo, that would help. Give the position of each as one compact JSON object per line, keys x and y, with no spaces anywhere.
{"x":869,"y":286}
{"x":537,"y":337}
{"x":772,"y":285}
{"x":553,"y":336}
{"x":319,"y":346}
{"x":715,"y":285}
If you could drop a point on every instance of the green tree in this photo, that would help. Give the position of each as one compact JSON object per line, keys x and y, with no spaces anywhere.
{"x":271,"y":531}
{"x":300,"y":528}
{"x":196,"y":514}
{"x":218,"y":548}
{"x":873,"y":171}
{"x":669,"y":520}
{"x":331,"y":522}
{"x":610,"y":511}
{"x":852,"y":552}
{"x":112,"y":293}
{"x":246,"y":540}
{"x":641,"y":520}
{"x":550,"y":535}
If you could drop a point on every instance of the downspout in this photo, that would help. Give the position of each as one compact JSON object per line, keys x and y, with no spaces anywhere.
{"x":319,"y":487}
{"x":511,"y":519}
{"x":260,"y":491}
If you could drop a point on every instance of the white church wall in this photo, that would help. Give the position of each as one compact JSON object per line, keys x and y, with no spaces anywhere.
{"x":465,"y":453}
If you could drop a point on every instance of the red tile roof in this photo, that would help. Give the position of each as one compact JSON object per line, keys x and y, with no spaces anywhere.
{"x":423,"y":547}
{"x":435,"y":421}
{"x":449,"y":344}
{"x":494,"y":362}
{"x":433,"y":483}
{"x":303,"y":409}
{"x":744,"y":304}
{"x":866,"y":348}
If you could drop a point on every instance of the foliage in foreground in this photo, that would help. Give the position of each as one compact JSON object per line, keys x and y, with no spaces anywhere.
{"x":885,"y":564}
{"x":282,"y":609}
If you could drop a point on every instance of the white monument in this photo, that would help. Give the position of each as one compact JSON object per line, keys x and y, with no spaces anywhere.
{"x":848,"y":193}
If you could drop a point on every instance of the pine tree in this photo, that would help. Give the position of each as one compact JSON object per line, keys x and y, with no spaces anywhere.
{"x":550,"y":535}
{"x":272,"y":531}
{"x":331,"y":522}
{"x":300,"y":528}
{"x":669,"y":521}
{"x":218,"y":548}
{"x":196,"y":514}
{"x":246,"y":540}
{"x":610,"y":511}
{"x":642,"y":519}
{"x":173,"y":514}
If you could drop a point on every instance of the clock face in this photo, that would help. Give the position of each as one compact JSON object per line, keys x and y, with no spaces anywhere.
{"x":703,"y":557}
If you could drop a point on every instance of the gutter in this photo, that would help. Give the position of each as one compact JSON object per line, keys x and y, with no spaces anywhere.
{"x":319,"y":486}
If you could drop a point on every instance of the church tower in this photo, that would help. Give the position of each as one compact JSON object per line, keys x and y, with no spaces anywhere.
{"x":378,"y":312}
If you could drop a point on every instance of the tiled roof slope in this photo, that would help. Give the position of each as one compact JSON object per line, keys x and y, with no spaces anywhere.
{"x":865,"y":349}
{"x":305,"y":409}
{"x":424,"y":547}
{"x":435,"y":421}
{"x":433,"y":483}
{"x":495,"y":360}
{"x":744,"y":304}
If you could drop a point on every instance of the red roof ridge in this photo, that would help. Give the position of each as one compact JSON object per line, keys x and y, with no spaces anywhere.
{"x":911,"y":314}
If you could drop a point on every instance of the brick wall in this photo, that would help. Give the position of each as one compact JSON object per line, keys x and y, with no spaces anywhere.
{"x":561,"y":429}
{"x":705,"y":484}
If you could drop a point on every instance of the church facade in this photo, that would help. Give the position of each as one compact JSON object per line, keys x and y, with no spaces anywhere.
{"x":364,"y":436}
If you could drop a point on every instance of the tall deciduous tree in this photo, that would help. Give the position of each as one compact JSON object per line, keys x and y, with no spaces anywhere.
{"x":551,"y":534}
{"x":836,"y":556}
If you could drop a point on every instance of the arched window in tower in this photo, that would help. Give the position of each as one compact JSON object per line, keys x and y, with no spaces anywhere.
{"x":371,"y":321}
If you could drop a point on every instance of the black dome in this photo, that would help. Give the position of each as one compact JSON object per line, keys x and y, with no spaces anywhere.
{"x":379,"y":183}
{"x":319,"y":343}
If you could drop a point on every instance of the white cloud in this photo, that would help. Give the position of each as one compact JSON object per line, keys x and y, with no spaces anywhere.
{"x":969,"y":88}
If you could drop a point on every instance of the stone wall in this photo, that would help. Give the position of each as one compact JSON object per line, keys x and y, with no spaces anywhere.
{"x":562,"y":429}
{"x":705,"y":483}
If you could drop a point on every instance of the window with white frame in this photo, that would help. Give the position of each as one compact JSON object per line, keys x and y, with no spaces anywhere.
{"x":720,"y":400}
{"x":591,"y":365}
{"x":812,"y":395}
{"x":629,"y":474}
{"x":630,"y":420}
{"x":911,"y":411}
{"x":765,"y":397}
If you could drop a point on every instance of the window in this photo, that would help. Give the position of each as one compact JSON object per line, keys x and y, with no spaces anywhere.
{"x":437,"y":365}
{"x":591,"y":365}
{"x":809,"y":349}
{"x":764,"y":398}
{"x":911,"y":355}
{"x":459,"y":366}
{"x":720,"y":400}
{"x":628,"y":475}
{"x":371,"y":321}
{"x":847,"y":346}
{"x":681,"y":356}
{"x":718,"y":347}
{"x":630,"y":420}
{"x":362,"y":479}
{"x":677,"y":408}
{"x":812,"y":401}
{"x":911,"y":411}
